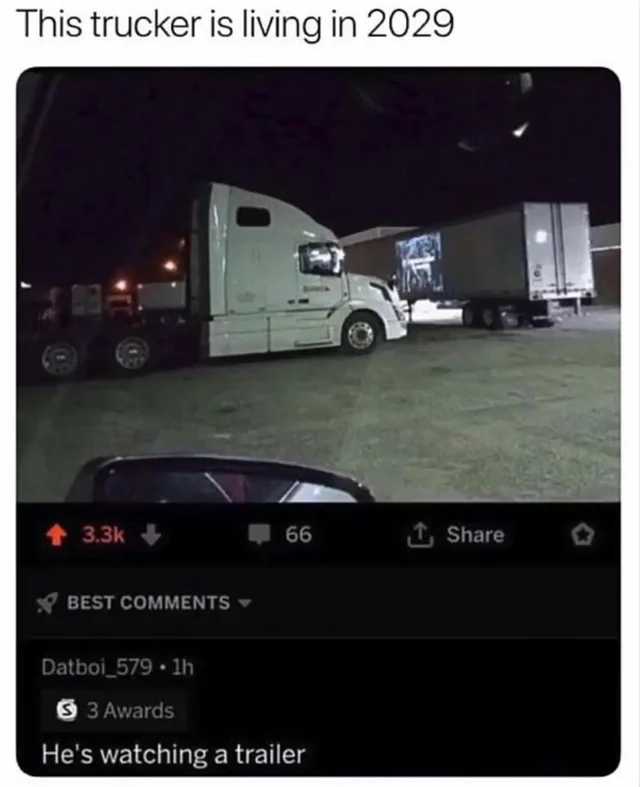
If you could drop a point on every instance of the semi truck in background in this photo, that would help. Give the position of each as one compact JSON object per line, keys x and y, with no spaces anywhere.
{"x":261,"y":277}
{"x":506,"y":268}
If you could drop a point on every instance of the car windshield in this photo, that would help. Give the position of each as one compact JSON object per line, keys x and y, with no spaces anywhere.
{"x":162,"y":486}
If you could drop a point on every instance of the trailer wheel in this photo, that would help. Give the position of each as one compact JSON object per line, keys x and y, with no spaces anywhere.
{"x":491,"y":318}
{"x":510,"y":320}
{"x":62,"y":359}
{"x":487,"y":317}
{"x":543,"y":322}
{"x":360,"y":333}
{"x":469,"y":316}
{"x":131,"y":354}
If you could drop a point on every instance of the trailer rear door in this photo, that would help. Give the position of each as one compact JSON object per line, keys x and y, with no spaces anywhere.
{"x":541,"y":257}
{"x":576,"y":248}
{"x":558,"y":253}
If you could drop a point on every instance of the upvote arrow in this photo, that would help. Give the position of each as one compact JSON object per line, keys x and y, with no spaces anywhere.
{"x":56,"y":534}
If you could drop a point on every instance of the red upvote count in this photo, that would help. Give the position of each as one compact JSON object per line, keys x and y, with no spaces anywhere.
{"x":56,"y":535}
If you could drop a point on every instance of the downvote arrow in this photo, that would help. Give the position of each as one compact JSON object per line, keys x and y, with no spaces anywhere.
{"x":150,"y":534}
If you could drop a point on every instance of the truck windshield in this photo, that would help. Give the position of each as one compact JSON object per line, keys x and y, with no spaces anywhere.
{"x":321,"y":259}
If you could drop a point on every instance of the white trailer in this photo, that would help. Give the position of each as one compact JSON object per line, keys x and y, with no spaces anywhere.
{"x":507,"y":267}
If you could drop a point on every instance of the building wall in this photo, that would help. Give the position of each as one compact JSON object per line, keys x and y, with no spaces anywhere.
{"x":606,"y":276}
{"x":373,"y":257}
{"x":372,"y":233}
{"x":605,"y":253}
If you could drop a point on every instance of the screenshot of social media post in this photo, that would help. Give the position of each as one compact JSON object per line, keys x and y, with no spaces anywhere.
{"x":318,"y":419}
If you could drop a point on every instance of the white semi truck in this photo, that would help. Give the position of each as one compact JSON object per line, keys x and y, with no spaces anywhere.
{"x":263,"y":277}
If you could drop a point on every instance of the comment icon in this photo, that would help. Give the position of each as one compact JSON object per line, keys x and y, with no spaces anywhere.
{"x":259,"y":533}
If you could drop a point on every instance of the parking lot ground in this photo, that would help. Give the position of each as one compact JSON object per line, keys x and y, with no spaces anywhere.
{"x":446,"y":414}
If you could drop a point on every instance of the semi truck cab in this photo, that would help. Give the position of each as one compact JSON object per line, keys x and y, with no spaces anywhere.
{"x":265,"y":277}
{"x":262,"y":277}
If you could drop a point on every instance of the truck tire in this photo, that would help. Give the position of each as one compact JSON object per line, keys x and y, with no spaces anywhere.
{"x":131,"y":353}
{"x":360,"y":333}
{"x":61,"y":358}
{"x":543,"y":322}
{"x":469,"y":316}
{"x":491,"y":318}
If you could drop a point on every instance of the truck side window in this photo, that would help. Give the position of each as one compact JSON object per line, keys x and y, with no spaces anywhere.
{"x":321,"y":259}
{"x":253,"y":217}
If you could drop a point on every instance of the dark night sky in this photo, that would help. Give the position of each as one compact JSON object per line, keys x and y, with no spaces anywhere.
{"x":119,"y":152}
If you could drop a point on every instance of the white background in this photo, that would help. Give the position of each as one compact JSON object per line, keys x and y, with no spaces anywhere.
{"x":488,"y":33}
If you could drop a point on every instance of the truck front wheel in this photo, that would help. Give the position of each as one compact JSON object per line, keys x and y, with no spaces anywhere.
{"x":360,"y":333}
{"x":131,"y":354}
